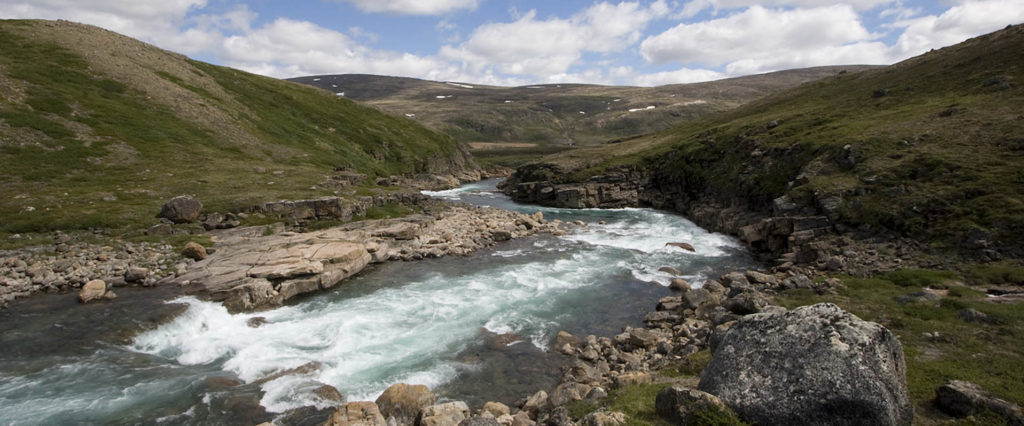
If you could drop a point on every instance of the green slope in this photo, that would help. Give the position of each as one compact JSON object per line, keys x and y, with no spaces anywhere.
{"x":932,"y":148}
{"x":98,"y":130}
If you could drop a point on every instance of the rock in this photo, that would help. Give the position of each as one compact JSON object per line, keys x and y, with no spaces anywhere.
{"x":681,"y":406}
{"x":714,"y":287}
{"x":961,"y":399}
{"x":447,"y":414}
{"x":404,"y":402}
{"x":604,"y":418}
{"x":566,"y":393}
{"x":535,"y":403}
{"x":496,"y":409}
{"x":670,"y":270}
{"x":501,"y":235}
{"x":480,"y":421}
{"x":683,"y":246}
{"x":679,"y":284}
{"x":974,"y":315}
{"x":256,"y":322}
{"x":558,"y":417}
{"x":632,"y":378}
{"x":329,"y":393}
{"x":761,"y":278}
{"x":194,"y":251}
{"x":136,"y":274}
{"x":597,"y":393}
{"x":812,"y":365}
{"x":181,"y":209}
{"x":399,"y":231}
{"x":918,"y":297}
{"x":522,"y":418}
{"x":745,"y":303}
{"x":564,"y":338}
{"x":362,"y":413}
{"x":92,"y":290}
{"x":642,"y":338}
{"x":696,"y":298}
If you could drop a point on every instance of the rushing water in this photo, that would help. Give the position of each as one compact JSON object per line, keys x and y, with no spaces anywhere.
{"x":433,"y":322}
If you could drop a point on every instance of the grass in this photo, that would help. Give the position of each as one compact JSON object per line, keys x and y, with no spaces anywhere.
{"x":986,"y":354}
{"x":84,"y":149}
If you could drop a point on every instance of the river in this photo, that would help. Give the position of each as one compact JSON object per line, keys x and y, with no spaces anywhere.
{"x":435,"y":322}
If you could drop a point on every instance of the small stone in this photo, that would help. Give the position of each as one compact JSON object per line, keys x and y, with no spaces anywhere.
{"x":670,"y":270}
{"x":679,"y":284}
{"x":92,"y":290}
{"x":135,"y":274}
{"x":194,"y":251}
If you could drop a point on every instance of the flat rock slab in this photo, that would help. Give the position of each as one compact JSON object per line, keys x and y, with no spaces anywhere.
{"x":251,"y":271}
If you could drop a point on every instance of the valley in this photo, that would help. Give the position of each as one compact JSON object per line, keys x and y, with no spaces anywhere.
{"x":188,"y":243}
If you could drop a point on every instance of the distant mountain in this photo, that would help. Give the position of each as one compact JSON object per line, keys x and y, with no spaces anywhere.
{"x":98,"y":130}
{"x":560,"y":115}
{"x":931,"y":148}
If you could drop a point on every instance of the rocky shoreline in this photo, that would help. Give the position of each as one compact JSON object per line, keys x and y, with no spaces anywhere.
{"x":790,"y":236}
{"x":815,"y":364}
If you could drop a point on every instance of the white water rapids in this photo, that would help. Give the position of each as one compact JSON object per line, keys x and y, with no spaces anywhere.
{"x":402,"y":322}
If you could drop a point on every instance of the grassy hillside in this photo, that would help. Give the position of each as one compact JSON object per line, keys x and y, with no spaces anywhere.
{"x":543,"y":118}
{"x":932,"y":147}
{"x":98,"y":130}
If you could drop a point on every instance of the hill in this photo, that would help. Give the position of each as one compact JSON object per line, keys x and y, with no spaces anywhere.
{"x":499,"y":121}
{"x":929,"y":149}
{"x":97,"y":130}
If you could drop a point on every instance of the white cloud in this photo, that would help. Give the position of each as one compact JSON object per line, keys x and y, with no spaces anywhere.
{"x":413,"y":7}
{"x":693,"y":7}
{"x":972,"y":18}
{"x":756,"y":33}
{"x":549,"y":47}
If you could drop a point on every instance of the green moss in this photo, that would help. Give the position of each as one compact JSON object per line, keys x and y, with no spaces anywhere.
{"x":691,"y":366}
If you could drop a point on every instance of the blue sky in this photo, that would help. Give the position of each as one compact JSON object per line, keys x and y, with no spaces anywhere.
{"x":518,"y":42}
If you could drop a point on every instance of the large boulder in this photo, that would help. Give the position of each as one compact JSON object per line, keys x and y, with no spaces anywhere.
{"x":812,"y":365}
{"x":181,"y":209}
{"x":362,"y":413}
{"x":404,"y":402}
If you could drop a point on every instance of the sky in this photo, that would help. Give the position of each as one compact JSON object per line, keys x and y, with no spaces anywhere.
{"x":521,"y":42}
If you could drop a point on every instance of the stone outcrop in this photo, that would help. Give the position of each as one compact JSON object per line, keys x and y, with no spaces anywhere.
{"x":813,"y":365}
{"x":181,"y":209}
{"x":250,"y":271}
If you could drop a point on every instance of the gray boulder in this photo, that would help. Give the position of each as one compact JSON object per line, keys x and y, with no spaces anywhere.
{"x":812,"y":365}
{"x":961,"y":399}
{"x":181,"y":209}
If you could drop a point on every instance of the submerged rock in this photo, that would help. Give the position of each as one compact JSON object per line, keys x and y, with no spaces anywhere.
{"x":812,"y":365}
